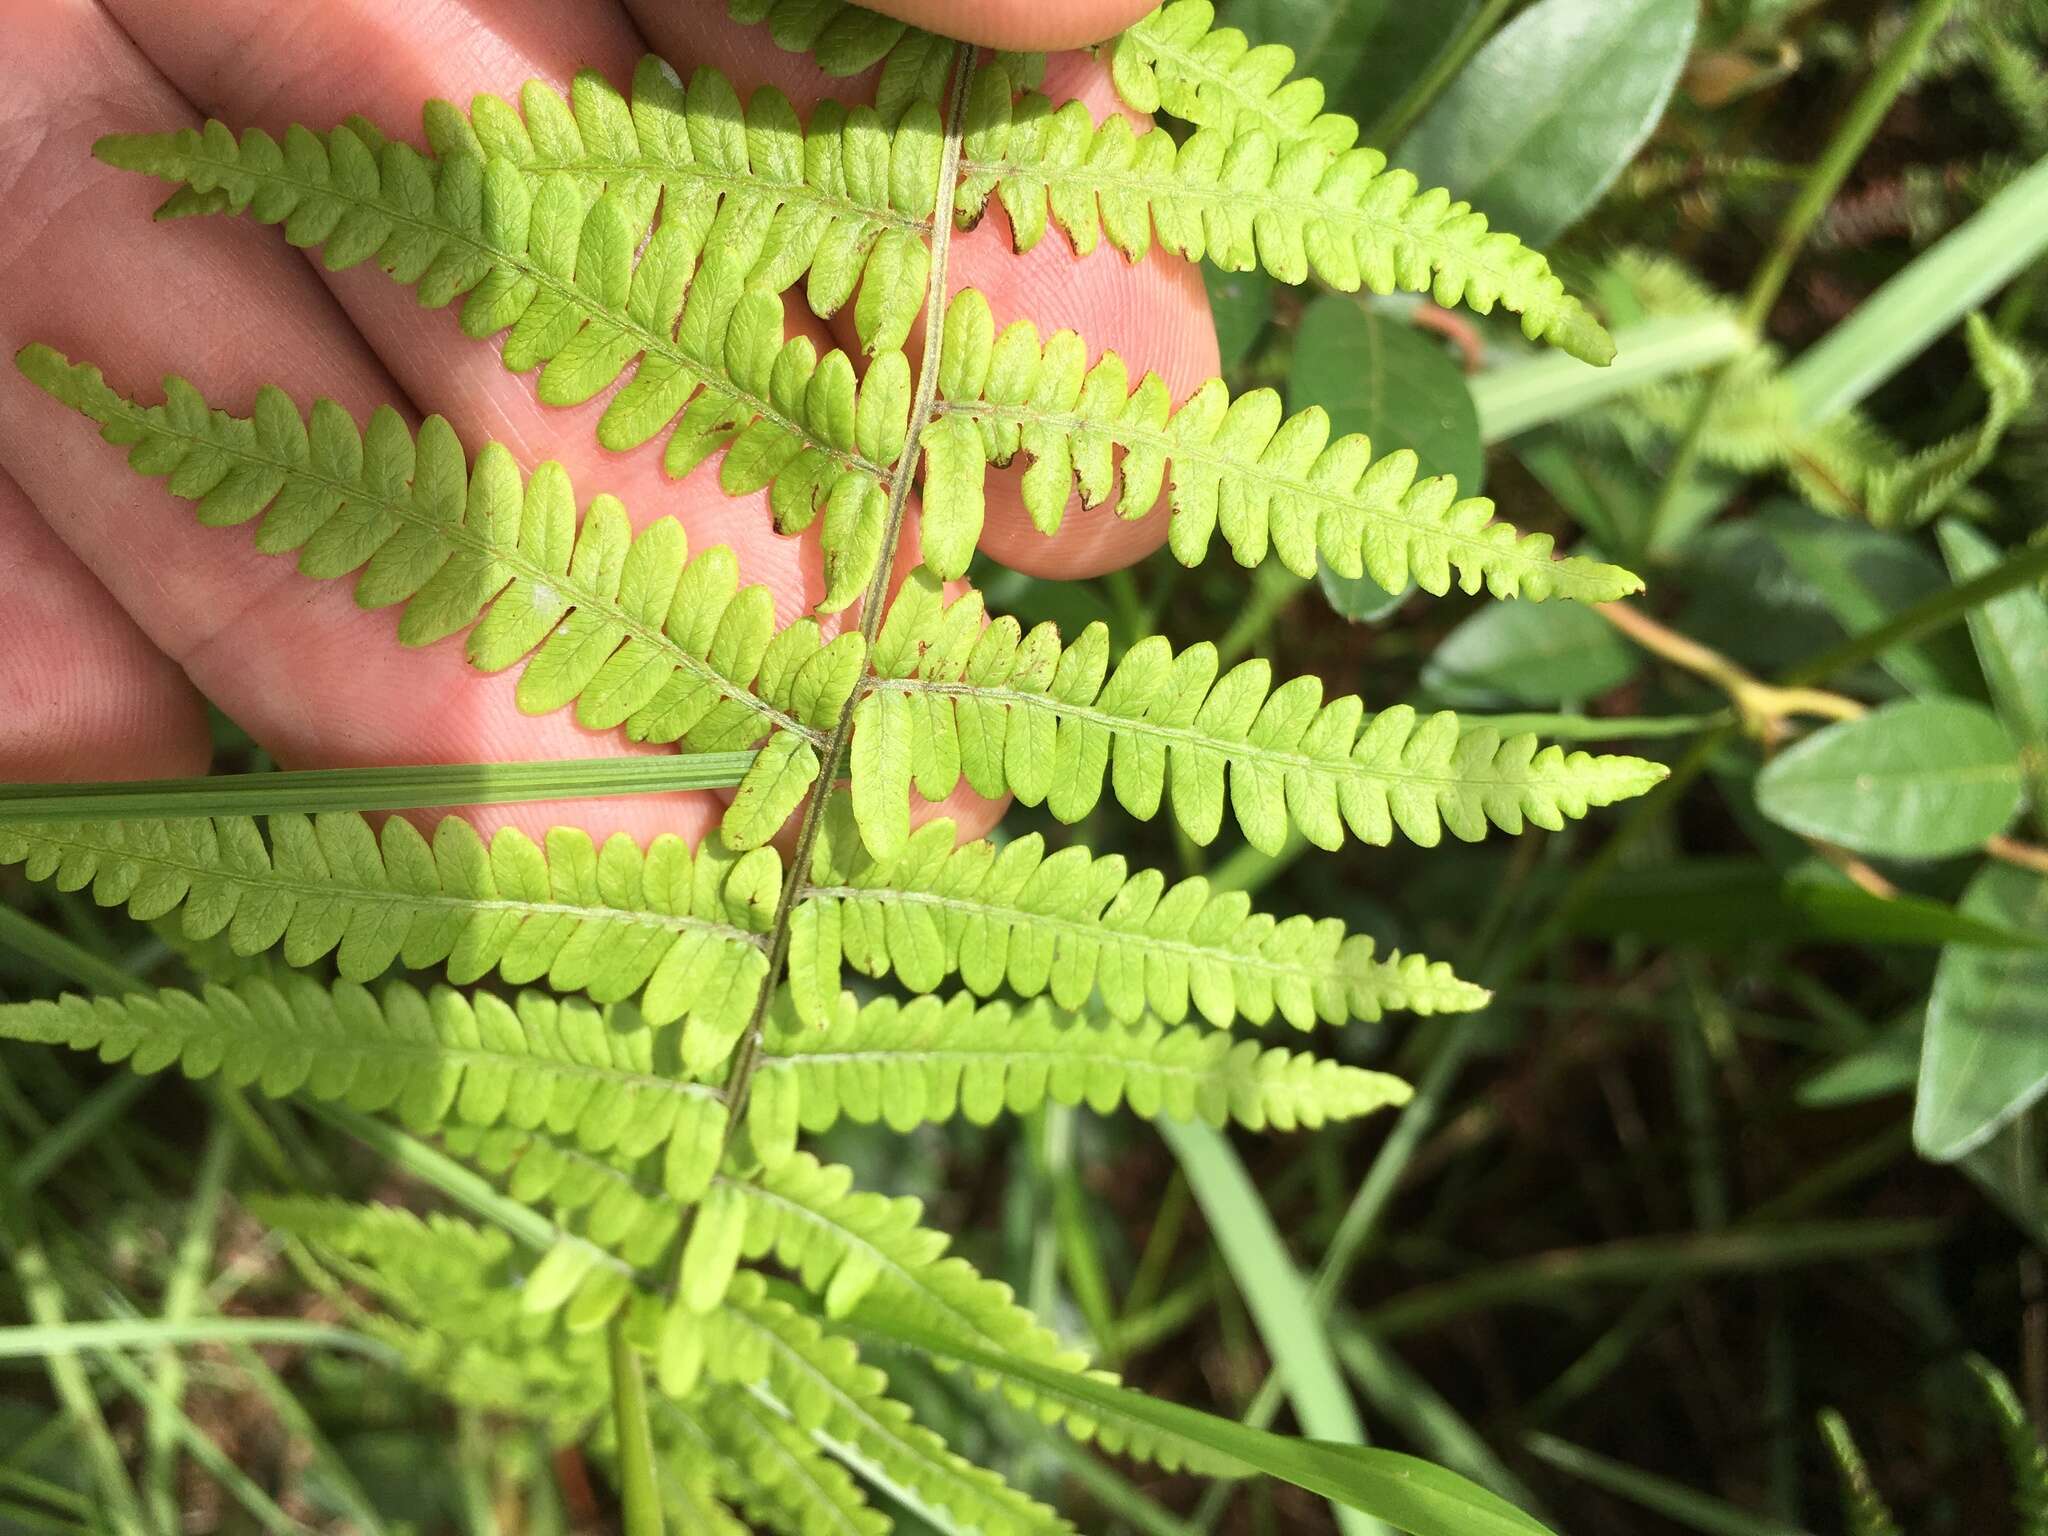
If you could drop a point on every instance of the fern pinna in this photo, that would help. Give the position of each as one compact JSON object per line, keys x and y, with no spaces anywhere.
{"x":633,"y":1041}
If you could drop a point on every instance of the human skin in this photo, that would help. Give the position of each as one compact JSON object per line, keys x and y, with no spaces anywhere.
{"x":118,"y":612}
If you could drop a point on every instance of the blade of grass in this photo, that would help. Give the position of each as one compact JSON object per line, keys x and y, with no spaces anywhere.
{"x":374,"y":789}
{"x":83,"y":1126}
{"x":639,"y":1494}
{"x":44,"y":1301}
{"x":337,"y":1477}
{"x":1929,"y":297}
{"x":1402,"y":1397}
{"x":182,"y":1294}
{"x":74,"y":962}
{"x":1288,"y":1323}
{"x":261,"y":1507}
{"x":1548,"y":386}
{"x":1675,"y":1501}
{"x":1642,"y":1261}
{"x":54,"y":1339}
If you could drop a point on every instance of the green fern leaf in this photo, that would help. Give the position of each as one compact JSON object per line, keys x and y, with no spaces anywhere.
{"x":779,"y":1476}
{"x":1070,"y":923}
{"x":819,"y":1379}
{"x":587,"y":284}
{"x":681,"y":931}
{"x":2022,"y":1445}
{"x":842,"y":1244}
{"x":1268,"y":484}
{"x":1178,"y":61}
{"x":1864,"y":1512}
{"x":844,"y":39}
{"x":428,"y":1057}
{"x":628,"y":628}
{"x":1286,"y":205}
{"x":907,"y":1064}
{"x":1012,"y":713}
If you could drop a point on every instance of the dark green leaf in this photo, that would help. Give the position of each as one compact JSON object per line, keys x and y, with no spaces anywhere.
{"x":2011,"y":636}
{"x":1986,"y":1055}
{"x":1242,"y":302}
{"x":1552,"y":108}
{"x":1920,"y":779}
{"x":1530,"y":653}
{"x":1401,"y":389}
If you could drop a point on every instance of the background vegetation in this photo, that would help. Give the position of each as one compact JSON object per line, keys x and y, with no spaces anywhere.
{"x":1748,"y":1132}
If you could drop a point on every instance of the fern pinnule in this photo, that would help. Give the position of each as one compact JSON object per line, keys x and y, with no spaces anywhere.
{"x":955,"y":696}
{"x":630,"y":628}
{"x":680,"y":930}
{"x":1267,"y":482}
{"x":1069,"y":924}
{"x":907,"y":1064}
{"x":428,"y":1057}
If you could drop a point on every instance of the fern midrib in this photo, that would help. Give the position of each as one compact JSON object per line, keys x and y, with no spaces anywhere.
{"x":747,"y":1056}
{"x":1487,"y":556}
{"x":156,"y":419}
{"x":359,"y":895}
{"x":1094,"y":933}
{"x":708,"y":375}
{"x":374,"y":1048}
{"x":1092,"y":179}
{"x":839,"y":206}
{"x":1193,"y":740}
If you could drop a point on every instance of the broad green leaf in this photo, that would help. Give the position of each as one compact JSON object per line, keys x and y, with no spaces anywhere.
{"x":1920,"y":779}
{"x":1398,"y":386}
{"x":1985,"y":1059}
{"x":1365,"y":52}
{"x":1409,"y":1494}
{"x":1524,"y":653}
{"x":2011,"y":636}
{"x":1863,"y":576}
{"x":1549,"y":112}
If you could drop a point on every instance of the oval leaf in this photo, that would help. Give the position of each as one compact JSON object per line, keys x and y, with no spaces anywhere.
{"x":1922,"y":779}
{"x":1550,"y":111}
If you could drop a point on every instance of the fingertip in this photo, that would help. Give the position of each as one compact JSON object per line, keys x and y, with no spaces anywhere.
{"x":1028,"y":24}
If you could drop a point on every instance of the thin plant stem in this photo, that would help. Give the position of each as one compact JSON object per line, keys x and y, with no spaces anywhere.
{"x":1395,"y":122}
{"x":182,"y":1297}
{"x":1851,"y":137}
{"x":639,"y":1493}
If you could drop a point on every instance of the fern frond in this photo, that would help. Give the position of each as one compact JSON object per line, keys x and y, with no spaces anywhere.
{"x":630,"y":629}
{"x":842,"y":1244}
{"x":681,"y":930}
{"x":1178,"y":61}
{"x":429,"y":1057}
{"x":1267,"y":483}
{"x":759,"y":1341}
{"x":955,"y":697}
{"x":1071,"y":923}
{"x":1287,"y":205}
{"x":781,"y":1478}
{"x":2022,"y":1445}
{"x":907,"y":1064}
{"x":1864,"y":1511}
{"x":587,"y":281}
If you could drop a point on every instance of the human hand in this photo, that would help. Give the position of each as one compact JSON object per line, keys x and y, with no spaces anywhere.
{"x":117,"y":612}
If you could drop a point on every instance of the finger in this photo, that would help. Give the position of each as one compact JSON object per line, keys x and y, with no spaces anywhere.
{"x":316,"y":680}
{"x":247,"y":62}
{"x":1154,"y":314}
{"x":1035,"y":24}
{"x":83,"y":694}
